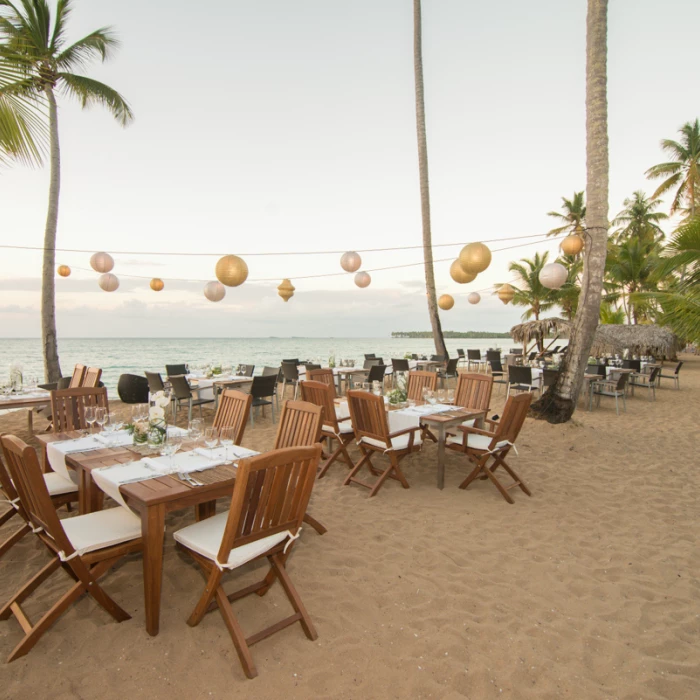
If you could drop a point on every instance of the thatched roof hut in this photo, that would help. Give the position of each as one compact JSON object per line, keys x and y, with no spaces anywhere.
{"x":537,"y":331}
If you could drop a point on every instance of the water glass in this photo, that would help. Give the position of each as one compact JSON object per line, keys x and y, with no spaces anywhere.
{"x":90,"y":416}
{"x":377,"y":388}
{"x":195,"y":430}
{"x":101,"y":416}
{"x":432,"y":398}
{"x":450,"y":396}
{"x":441,"y":395}
{"x":226,"y":436}
{"x":211,"y":437}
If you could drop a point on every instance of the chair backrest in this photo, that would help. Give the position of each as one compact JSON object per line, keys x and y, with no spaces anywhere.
{"x":78,"y":376}
{"x":460,"y":353}
{"x":496,"y":366}
{"x":132,"y":389}
{"x":310,"y":366}
{"x":437,"y":358}
{"x":270,"y":371}
{"x":180,"y":386}
{"x":369,"y":355}
{"x":233,"y":410}
{"x":419,"y":380}
{"x":531,"y":356}
{"x":290,"y":371}
{"x":271,"y":495}
{"x":322,"y":375}
{"x":549,"y":376}
{"x":170,"y":370}
{"x":414,"y":356}
{"x":678,"y":368}
{"x":601,"y":370}
{"x":514,"y":414}
{"x":474,"y":355}
{"x":376,"y":373}
{"x":636,"y":365}
{"x":263,"y":387}
{"x":68,"y":407}
{"x":519,"y":375}
{"x":246,"y":370}
{"x":653,"y":374}
{"x":493,"y":355}
{"x":8,"y":488}
{"x":92,"y":377}
{"x":622,"y":381}
{"x":451,"y":368}
{"x":371,"y":362}
{"x":294,"y":361}
{"x":400,"y":365}
{"x":155,"y":382}
{"x":321,"y":394}
{"x":368,"y":416}
{"x":299,"y":426}
{"x":474,"y":391}
{"x":516,"y":351}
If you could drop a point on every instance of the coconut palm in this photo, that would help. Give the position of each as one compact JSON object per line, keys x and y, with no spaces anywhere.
{"x":639,"y":220}
{"x":567,"y":295}
{"x":36,"y":46}
{"x":572,"y":214}
{"x":630,"y":269}
{"x":440,"y":347}
{"x":681,"y":174}
{"x":610,"y":316}
{"x":529,"y":291}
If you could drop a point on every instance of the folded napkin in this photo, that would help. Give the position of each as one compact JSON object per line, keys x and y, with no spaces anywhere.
{"x":219,"y":453}
{"x":119,"y":438}
{"x":109,"y":479}
{"x":428,"y":410}
{"x":185,"y":462}
{"x":174,"y":431}
{"x":57,"y":451}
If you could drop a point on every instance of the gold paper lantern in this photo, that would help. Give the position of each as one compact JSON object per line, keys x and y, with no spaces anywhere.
{"x":474,"y":298}
{"x":458,"y":274}
{"x":506,"y":293}
{"x":63,"y":270}
{"x":102,"y":262}
{"x":350,"y":261}
{"x":214,"y":291}
{"x":231,"y":270}
{"x":157,"y":284}
{"x":553,"y":275}
{"x":446,"y":302}
{"x":571,"y":245}
{"x":286,"y":290}
{"x":475,"y":258}
{"x":362,"y":279}
{"x":108,"y":282}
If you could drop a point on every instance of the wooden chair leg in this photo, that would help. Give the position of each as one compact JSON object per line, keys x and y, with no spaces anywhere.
{"x":315,"y":524}
{"x":13,"y":539}
{"x":213,"y":583}
{"x":237,"y":636}
{"x":294,"y":598}
{"x":365,"y":458}
{"x":29,"y":587}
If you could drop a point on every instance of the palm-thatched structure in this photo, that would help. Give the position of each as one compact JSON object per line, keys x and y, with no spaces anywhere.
{"x":537,"y":331}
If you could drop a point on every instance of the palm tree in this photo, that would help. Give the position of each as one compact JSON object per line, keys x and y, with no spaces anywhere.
{"x":431,"y":293}
{"x":630,"y":269}
{"x":530,"y":292}
{"x":36,"y":47}
{"x":567,"y":296}
{"x":683,"y":172}
{"x":573,"y":214}
{"x":639,"y":220}
{"x":610,"y":315}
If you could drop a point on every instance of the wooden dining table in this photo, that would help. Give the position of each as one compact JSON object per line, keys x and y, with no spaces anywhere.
{"x":30,"y":402}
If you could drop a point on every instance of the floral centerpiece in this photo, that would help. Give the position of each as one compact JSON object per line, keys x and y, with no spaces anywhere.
{"x":331,"y":360}
{"x":216,"y":370}
{"x":153,"y":430}
{"x":399,"y":394}
{"x":16,"y":376}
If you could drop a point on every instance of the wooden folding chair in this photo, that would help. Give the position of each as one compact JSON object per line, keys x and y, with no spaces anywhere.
{"x":68,"y":407}
{"x":322,"y":375}
{"x":419,"y":380}
{"x":474,"y":391}
{"x":233,"y":410}
{"x":269,"y":500}
{"x":483,"y":446}
{"x":76,"y":380}
{"x":321,"y":394}
{"x":85,"y":546}
{"x":369,"y":419}
{"x":91,"y":378}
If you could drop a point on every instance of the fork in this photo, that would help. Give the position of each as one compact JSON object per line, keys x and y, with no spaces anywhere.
{"x":189,"y":479}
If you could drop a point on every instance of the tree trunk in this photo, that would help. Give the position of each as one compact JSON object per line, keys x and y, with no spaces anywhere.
{"x":52,"y":368}
{"x":431,"y":294}
{"x":559,"y":402}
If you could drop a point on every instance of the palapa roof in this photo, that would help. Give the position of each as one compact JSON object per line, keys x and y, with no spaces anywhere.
{"x":533,"y":331}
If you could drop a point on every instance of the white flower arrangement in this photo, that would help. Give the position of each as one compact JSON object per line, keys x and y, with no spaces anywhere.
{"x":16,"y":374}
{"x":159,"y":402}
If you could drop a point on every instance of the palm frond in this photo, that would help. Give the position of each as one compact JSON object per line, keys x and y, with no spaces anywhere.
{"x":88,"y":92}
{"x":99,"y":43}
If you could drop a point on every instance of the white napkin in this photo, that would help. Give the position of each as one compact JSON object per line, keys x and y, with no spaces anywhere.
{"x":57,"y":451}
{"x":219,"y":453}
{"x":109,"y":479}
{"x":174,"y":431}
{"x":119,"y":438}
{"x":183,"y":462}
{"x":427,"y":409}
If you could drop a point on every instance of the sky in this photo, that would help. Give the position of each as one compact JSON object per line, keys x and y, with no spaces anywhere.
{"x":275,"y":126}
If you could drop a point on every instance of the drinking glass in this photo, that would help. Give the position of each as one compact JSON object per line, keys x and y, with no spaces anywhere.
{"x":138,"y":412}
{"x":366,"y":386}
{"x":211,"y":438}
{"x":426,"y":392}
{"x":226,"y":436}
{"x":171,"y":445}
{"x":441,"y":395}
{"x":450,"y":396}
{"x":377,"y":388}
{"x":90,"y":417}
{"x":432,"y":399}
{"x":101,"y":416}
{"x":195,"y":429}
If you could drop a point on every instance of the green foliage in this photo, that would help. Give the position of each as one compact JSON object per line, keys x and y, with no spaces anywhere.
{"x":531,"y":292}
{"x":573,"y":214}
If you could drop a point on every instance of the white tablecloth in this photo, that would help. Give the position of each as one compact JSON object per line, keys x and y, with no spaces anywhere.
{"x":57,"y":451}
{"x":26,"y":395}
{"x":205,"y":385}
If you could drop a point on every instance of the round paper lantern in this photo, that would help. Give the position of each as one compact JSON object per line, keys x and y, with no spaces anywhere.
{"x":231,"y":270}
{"x":571,"y":245}
{"x":362,"y":279}
{"x":108,"y":282}
{"x":553,"y":275}
{"x":446,"y":302}
{"x":474,"y":298}
{"x":506,"y":293}
{"x":63,"y":270}
{"x":286,"y":290}
{"x":458,"y":274}
{"x":214,"y":291}
{"x":350,"y":261}
{"x":102,"y":262}
{"x":475,"y":258}
{"x":157,"y":284}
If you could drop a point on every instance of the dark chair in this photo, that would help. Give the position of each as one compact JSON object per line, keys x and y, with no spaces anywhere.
{"x":499,"y":376}
{"x":183,"y":393}
{"x":636,"y":365}
{"x":645,"y":381}
{"x":673,"y":376}
{"x":613,"y":388}
{"x":414,"y":356}
{"x":474,"y":356}
{"x":270,"y":371}
{"x":155,"y":382}
{"x":246,"y":370}
{"x":596,"y":369}
{"x":531,"y":356}
{"x":290,"y":375}
{"x":450,"y":371}
{"x":263,"y":390}
{"x":400,"y":365}
{"x":369,"y":356}
{"x":520,"y":379}
{"x":516,"y":351}
{"x":294,"y":361}
{"x":549,"y":377}
{"x":437,"y":358}
{"x":371,"y":362}
{"x":132,"y":389}
{"x":175,"y":369}
{"x":310,"y":366}
{"x":493,"y":355}
{"x":460,"y":354}
{"x":377,"y":374}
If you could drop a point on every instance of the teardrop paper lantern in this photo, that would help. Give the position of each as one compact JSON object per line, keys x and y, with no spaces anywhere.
{"x":286,"y":290}
{"x":553,"y":275}
{"x":571,"y":245}
{"x":108,"y":282}
{"x":475,"y":258}
{"x":506,"y":293}
{"x":474,"y":298}
{"x":350,"y":261}
{"x":362,"y":279}
{"x":157,"y":284}
{"x":446,"y":302}
{"x":231,"y":270}
{"x":63,"y":270}
{"x":214,"y":291}
{"x":102,"y":262}
{"x":458,"y":274}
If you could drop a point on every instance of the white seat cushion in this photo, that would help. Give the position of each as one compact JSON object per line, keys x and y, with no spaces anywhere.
{"x":205,"y":538}
{"x":57,"y":485}
{"x":476,"y":442}
{"x":397,"y":443}
{"x":343,"y":428}
{"x":102,"y":529}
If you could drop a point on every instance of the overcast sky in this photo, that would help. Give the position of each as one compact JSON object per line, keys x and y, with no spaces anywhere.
{"x":277,"y":126}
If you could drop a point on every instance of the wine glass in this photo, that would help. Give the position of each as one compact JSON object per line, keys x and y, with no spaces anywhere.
{"x":426,"y":393}
{"x":90,"y":417}
{"x":432,"y":398}
{"x":450,"y":396}
{"x":211,"y":439}
{"x":101,"y":417}
{"x":377,"y":388}
{"x":195,"y":429}
{"x":226,"y":436}
{"x":171,"y":445}
{"x":441,"y":395}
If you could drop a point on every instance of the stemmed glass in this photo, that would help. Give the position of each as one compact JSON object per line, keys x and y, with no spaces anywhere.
{"x":450,"y":396}
{"x":195,"y":430}
{"x":211,"y":439}
{"x":226,"y":436}
{"x":171,"y":445}
{"x":101,"y":417}
{"x":432,"y":399}
{"x":90,"y":417}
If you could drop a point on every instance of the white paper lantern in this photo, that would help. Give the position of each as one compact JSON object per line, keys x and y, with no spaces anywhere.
{"x":553,"y":275}
{"x":362,"y":279}
{"x":214,"y":291}
{"x":102,"y":262}
{"x":350,"y":261}
{"x":474,"y":298}
{"x":108,"y":282}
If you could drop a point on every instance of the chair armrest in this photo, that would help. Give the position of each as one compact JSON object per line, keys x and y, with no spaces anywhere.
{"x":52,"y":386}
{"x":339,"y":420}
{"x":492,"y":422}
{"x":476,"y":431}
{"x":403,"y":432}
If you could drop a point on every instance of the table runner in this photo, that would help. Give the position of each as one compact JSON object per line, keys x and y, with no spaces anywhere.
{"x":57,"y":451}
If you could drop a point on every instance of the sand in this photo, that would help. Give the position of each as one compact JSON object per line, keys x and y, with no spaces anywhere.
{"x":588,"y":589}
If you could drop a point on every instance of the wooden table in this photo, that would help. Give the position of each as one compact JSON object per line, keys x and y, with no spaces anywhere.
{"x":428,"y":364}
{"x":30,"y":402}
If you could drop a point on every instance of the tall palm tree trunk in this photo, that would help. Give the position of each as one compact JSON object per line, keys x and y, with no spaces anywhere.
{"x":52,"y":368}
{"x":559,"y":402}
{"x":440,"y":348}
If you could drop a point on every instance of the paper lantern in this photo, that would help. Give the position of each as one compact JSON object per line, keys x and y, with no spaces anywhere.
{"x":214,"y":291}
{"x":157,"y":284}
{"x":63,"y":270}
{"x":458,"y":274}
{"x":506,"y":293}
{"x":231,"y":270}
{"x":446,"y":302}
{"x":102,"y":262}
{"x":475,"y":258}
{"x":350,"y":261}
{"x":362,"y":279}
{"x":571,"y":245}
{"x":553,"y":275}
{"x":474,"y":298}
{"x":108,"y":282}
{"x":286,"y":290}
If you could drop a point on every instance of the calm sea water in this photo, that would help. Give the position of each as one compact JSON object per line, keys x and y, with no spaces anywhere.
{"x":134,"y":355}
